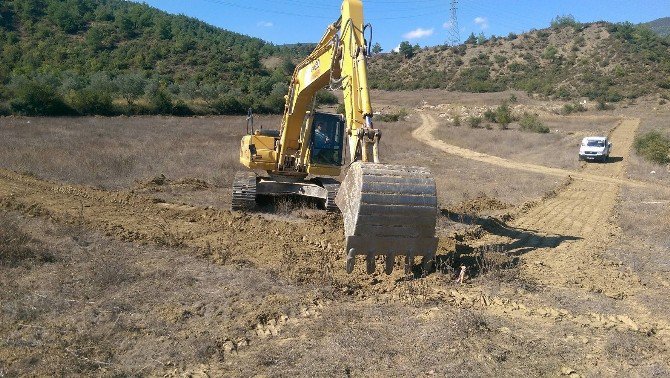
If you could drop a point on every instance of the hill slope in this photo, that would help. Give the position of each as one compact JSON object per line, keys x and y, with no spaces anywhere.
{"x":66,"y":47}
{"x":115,"y":56}
{"x":600,"y":61}
{"x":660,"y":26}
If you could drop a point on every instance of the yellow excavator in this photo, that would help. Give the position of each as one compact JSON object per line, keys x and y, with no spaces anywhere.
{"x":388,"y":210}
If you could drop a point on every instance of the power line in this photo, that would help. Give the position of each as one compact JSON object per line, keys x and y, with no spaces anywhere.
{"x":319,"y":11}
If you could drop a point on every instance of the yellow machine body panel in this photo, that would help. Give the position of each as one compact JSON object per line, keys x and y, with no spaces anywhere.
{"x":323,"y":170}
{"x":258,"y":152}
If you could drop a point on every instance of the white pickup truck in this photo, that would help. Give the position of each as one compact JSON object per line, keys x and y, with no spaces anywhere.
{"x":595,"y":149}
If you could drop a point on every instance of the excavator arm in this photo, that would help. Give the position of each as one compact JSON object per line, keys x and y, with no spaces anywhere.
{"x":358,"y":108}
{"x":388,"y":210}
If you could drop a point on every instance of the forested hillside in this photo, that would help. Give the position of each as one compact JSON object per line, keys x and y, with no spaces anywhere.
{"x":121,"y":57}
{"x":603,"y":61}
{"x":110,"y":56}
{"x":660,"y":26}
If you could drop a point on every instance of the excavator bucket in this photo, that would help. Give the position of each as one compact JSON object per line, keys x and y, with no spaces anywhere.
{"x":388,"y":210}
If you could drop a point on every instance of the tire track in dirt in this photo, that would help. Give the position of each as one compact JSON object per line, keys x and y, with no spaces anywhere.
{"x":593,"y":320}
{"x":562,"y":238}
{"x":592,"y":192}
{"x":266,"y":242}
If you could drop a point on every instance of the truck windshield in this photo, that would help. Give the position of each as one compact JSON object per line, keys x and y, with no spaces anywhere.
{"x":596,"y":143}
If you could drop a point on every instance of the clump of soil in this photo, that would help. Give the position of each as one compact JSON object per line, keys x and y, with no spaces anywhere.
{"x":480,"y":204}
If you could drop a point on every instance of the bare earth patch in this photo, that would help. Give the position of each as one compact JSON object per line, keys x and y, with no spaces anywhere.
{"x":152,"y":275}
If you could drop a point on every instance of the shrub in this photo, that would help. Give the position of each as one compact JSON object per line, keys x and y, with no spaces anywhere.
{"x":565,"y":20}
{"x":602,"y":105}
{"x":38,"y":96}
{"x":323,"y":97}
{"x":503,"y":115}
{"x":393,"y":117}
{"x":490,"y":115}
{"x":130,"y":87}
{"x":273,"y":104}
{"x":161,"y":101}
{"x":573,"y":108}
{"x":459,"y":50}
{"x":475,"y":122}
{"x":231,"y":105}
{"x":551,"y":54}
{"x":180,"y":108}
{"x":91,"y":102}
{"x":457,"y":120}
{"x":475,"y":79}
{"x":563,"y":92}
{"x":568,"y":109}
{"x":532,"y":123}
{"x":653,"y":146}
{"x":389,"y":117}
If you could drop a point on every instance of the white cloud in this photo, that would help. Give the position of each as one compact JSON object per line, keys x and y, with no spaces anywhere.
{"x":419,"y":33}
{"x":265,"y":24}
{"x":447,"y":25}
{"x":482,"y":22}
{"x":396,"y":49}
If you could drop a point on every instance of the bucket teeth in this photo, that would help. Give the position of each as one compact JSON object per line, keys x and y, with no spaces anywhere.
{"x":388,"y":210}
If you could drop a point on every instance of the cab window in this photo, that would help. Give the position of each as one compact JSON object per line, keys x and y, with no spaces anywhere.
{"x":327,"y":130}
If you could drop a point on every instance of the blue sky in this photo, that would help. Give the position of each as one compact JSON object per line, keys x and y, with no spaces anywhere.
{"x":421,"y":21}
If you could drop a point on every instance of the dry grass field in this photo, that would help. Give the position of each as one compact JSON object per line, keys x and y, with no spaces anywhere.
{"x":118,"y":255}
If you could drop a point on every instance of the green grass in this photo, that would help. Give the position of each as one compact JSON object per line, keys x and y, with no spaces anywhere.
{"x":653,"y":146}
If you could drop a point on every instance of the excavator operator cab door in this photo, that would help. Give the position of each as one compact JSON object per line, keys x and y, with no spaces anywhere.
{"x":327,"y":138}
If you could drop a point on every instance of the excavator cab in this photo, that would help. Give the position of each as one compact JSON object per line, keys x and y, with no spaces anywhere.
{"x":327,"y":140}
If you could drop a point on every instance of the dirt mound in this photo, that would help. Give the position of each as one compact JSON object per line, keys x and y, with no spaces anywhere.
{"x":304,"y":249}
{"x":480,"y":204}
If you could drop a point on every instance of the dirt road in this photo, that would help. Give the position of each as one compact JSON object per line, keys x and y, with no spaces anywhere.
{"x":612,"y":174}
{"x":562,"y":238}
